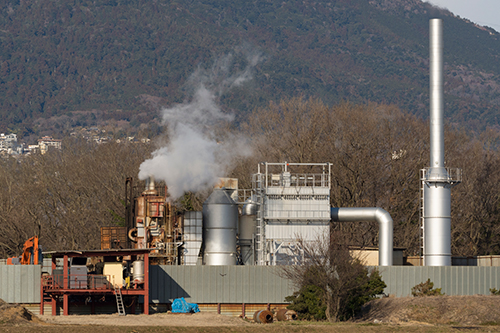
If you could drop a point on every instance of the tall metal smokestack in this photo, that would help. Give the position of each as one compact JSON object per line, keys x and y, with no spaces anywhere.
{"x":437,"y":180}
{"x":436,"y":93}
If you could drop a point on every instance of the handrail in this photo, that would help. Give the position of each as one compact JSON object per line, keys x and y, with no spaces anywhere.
{"x":76,"y":281}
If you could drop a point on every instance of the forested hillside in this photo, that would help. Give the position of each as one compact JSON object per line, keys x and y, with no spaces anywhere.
{"x":376,"y":152}
{"x":83,"y":62}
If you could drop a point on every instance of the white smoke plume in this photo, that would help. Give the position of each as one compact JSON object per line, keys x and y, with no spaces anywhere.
{"x":193,"y":159}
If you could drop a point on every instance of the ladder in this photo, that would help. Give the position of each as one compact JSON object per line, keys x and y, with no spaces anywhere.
{"x":260,"y":237}
{"x":423,"y":174}
{"x":119,"y":301}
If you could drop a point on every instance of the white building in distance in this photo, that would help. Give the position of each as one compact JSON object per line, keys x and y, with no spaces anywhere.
{"x":46,"y":142}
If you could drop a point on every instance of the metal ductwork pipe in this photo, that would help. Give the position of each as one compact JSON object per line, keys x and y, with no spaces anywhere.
{"x":377,"y":214}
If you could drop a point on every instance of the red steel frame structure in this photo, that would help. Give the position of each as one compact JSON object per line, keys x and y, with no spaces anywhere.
{"x":50,"y":289}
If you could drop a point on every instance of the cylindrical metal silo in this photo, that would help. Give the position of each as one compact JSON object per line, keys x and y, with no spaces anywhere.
{"x":220,"y":223}
{"x":246,"y":227}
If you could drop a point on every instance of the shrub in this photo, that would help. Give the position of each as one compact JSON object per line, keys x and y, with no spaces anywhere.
{"x":363,"y":294}
{"x":494,"y":291}
{"x":425,"y":289}
{"x":342,"y":284}
{"x":307,"y":303}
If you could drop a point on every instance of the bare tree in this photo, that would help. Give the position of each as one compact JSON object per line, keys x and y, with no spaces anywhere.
{"x":475,"y":202}
{"x":376,"y":152}
{"x":65,"y":196}
{"x":329,"y":266}
{"x":293,"y":130}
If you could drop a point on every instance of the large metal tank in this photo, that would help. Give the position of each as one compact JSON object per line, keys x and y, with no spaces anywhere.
{"x":246,"y":228}
{"x":220,"y":223}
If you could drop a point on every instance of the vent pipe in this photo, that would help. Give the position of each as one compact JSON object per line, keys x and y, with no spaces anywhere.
{"x":436,"y":93}
{"x":150,"y":186}
{"x":375,"y":214}
{"x":437,"y":180}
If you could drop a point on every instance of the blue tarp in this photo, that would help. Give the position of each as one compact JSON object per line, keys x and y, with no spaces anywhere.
{"x":181,"y":306}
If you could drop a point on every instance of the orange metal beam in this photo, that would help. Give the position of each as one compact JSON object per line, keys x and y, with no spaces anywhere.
{"x":65,"y":286}
{"x":146,"y":283}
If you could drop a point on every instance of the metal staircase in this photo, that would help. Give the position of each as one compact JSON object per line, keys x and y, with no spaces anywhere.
{"x":119,"y":301}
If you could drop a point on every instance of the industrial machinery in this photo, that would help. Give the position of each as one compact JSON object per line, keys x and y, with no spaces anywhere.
{"x":32,"y":254}
{"x":291,"y":200}
{"x":288,"y":203}
{"x":220,"y":223}
{"x":175,"y":238}
{"x":254,"y":226}
{"x":153,"y":223}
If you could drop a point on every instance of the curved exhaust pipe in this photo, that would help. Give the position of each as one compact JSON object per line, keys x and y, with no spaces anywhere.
{"x":385,"y":223}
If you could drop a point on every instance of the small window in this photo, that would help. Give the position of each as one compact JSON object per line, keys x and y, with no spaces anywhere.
{"x":78,"y":261}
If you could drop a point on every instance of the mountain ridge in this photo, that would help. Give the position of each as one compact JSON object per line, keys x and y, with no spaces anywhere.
{"x":60,"y":57}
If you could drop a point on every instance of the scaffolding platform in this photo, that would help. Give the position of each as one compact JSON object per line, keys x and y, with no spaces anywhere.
{"x":65,"y":285}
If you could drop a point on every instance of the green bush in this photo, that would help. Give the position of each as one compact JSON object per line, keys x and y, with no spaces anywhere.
{"x":494,"y":292}
{"x":425,"y":289}
{"x":307,"y":303}
{"x":365,"y":293}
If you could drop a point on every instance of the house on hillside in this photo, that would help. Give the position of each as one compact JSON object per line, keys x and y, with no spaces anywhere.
{"x":46,"y":142}
{"x":9,"y":145}
{"x":7,"y":141}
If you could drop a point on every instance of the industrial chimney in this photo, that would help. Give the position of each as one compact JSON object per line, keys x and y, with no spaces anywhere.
{"x":437,"y":180}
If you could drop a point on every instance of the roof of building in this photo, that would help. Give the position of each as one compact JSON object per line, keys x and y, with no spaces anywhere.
{"x":97,"y":253}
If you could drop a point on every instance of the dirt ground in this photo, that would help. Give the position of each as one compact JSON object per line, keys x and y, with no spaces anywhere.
{"x":436,"y":310}
{"x":200,"y":319}
{"x":427,"y":314}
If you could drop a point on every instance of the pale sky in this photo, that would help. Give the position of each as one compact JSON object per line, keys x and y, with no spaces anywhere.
{"x":482,"y":12}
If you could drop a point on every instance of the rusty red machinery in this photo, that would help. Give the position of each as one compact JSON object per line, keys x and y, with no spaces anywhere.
{"x":153,"y":222}
{"x":72,"y":287}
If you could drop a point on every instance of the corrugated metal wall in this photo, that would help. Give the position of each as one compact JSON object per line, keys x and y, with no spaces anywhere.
{"x":218,"y":284}
{"x":460,"y":280}
{"x":255,"y":284}
{"x":47,"y":264}
{"x":20,"y":283}
{"x":262,"y":284}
